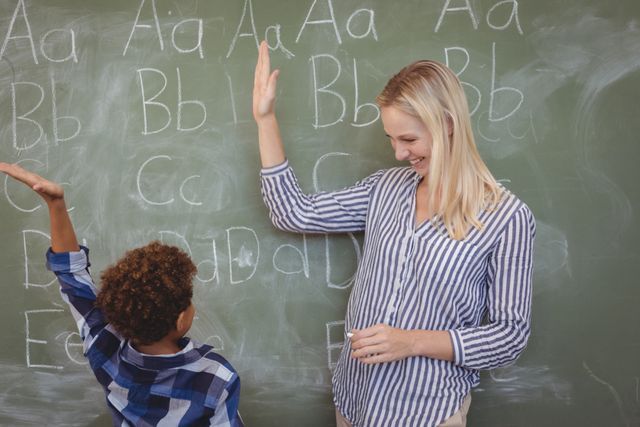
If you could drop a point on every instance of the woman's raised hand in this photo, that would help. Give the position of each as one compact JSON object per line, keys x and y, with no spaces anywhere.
{"x":49,"y":191}
{"x":264,"y":86}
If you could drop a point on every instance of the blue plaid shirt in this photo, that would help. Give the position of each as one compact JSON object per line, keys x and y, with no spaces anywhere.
{"x":195,"y":386}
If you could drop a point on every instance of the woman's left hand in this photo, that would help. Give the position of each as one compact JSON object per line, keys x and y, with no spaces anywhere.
{"x":381,"y":343}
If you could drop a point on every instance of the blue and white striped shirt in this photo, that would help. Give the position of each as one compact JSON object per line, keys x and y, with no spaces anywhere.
{"x":416,"y":277}
{"x":194,"y":387}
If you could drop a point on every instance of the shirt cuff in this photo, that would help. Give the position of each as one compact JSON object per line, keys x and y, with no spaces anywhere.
{"x":68,"y":262}
{"x":458,"y":347}
{"x":275,"y":170}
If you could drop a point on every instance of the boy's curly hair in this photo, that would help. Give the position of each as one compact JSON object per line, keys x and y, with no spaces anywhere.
{"x":143,"y":293}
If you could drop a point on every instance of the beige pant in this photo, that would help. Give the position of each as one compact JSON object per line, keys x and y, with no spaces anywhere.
{"x":459,"y":419}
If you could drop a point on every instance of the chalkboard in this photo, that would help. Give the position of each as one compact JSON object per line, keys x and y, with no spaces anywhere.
{"x":143,"y":110}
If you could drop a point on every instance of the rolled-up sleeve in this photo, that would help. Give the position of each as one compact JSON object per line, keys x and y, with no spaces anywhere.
{"x":503,"y":338}
{"x":324,"y":212}
{"x":78,"y":290}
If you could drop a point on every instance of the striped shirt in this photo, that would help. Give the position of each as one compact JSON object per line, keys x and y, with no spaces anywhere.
{"x":194,"y":387}
{"x":415,"y":277}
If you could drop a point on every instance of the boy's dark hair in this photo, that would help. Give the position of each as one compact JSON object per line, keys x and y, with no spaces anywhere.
{"x":143,"y":293}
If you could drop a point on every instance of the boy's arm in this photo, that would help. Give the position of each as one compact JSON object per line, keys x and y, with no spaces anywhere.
{"x":63,"y":237}
{"x":66,"y":260}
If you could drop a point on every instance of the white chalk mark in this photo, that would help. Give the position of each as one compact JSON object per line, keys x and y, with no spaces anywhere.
{"x":316,"y":181}
{"x":191,"y":202}
{"x":139,"y":178}
{"x":214,"y":263}
{"x":357,"y":107}
{"x":279,"y":44}
{"x":446,"y":9}
{"x":56,"y":119}
{"x":331,"y":20}
{"x":331,"y":346}
{"x":253,"y":27}
{"x":181,"y":103}
{"x":29,"y":340}
{"x":72,"y":51}
{"x":460,"y":71}
{"x":324,"y":89}
{"x":198,"y":45}
{"x":513,"y":16}
{"x":28,"y":284}
{"x":611,"y":390}
{"x":494,"y":91}
{"x":137,"y":25}
{"x":481,"y":133}
{"x":6,"y":191}
{"x":494,"y":376}
{"x":244,"y":257}
{"x":215,"y":341}
{"x":304,"y":258}
{"x":19,"y":6}
{"x":68,"y":345}
{"x":348,"y":282}
{"x":371,"y":29}
{"x":62,"y":184}
{"x":151,"y":101}
{"x":232,"y":99}
{"x":24,"y":117}
{"x":183,"y":240}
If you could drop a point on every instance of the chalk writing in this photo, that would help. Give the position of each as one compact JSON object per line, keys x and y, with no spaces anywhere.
{"x":151,"y":102}
{"x":6,"y":190}
{"x":330,"y":20}
{"x":247,"y":7}
{"x":446,"y":9}
{"x":27,"y":282}
{"x":302,"y":254}
{"x":24,"y":117}
{"x":76,"y":355}
{"x":213,"y":263}
{"x":245,"y":257}
{"x":178,"y":27}
{"x":139,"y":179}
{"x":44,"y":40}
{"x":513,"y":15}
{"x":320,"y":88}
{"x":32,"y":341}
{"x":334,"y":346}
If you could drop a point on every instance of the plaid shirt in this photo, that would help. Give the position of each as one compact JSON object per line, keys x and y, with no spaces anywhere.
{"x":195,"y":386}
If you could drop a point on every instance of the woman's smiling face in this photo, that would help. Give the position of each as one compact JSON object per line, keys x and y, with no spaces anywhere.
{"x":409,"y":137}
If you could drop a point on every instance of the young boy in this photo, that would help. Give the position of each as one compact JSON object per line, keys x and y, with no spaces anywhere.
{"x":133,"y":332}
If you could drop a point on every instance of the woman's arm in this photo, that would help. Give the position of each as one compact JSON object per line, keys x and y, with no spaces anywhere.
{"x":264,"y":99}
{"x":339,"y":211}
{"x":502,"y":339}
{"x":497,"y":343}
{"x":383,"y":343}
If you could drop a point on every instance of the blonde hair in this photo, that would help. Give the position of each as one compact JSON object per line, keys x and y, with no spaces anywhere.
{"x":460,"y":184}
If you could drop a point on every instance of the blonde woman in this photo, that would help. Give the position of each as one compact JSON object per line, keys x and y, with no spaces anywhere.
{"x":444,"y":286}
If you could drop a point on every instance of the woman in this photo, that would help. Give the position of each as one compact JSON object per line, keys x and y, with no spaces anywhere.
{"x":444,"y":286}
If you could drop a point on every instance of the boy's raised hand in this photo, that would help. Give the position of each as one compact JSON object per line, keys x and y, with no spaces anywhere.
{"x":63,"y":237}
{"x":49,"y":191}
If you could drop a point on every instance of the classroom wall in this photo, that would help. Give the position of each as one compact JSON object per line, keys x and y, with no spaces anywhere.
{"x":142,"y":109}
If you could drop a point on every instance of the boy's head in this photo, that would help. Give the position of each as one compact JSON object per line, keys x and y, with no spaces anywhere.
{"x":143,"y":294}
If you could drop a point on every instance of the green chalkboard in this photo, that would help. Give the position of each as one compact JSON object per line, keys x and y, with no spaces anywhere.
{"x":143,"y":110}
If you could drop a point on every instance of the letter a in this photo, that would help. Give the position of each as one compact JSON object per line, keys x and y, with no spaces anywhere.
{"x":28,"y":36}
{"x":446,"y":9}
{"x":253,"y":27}
{"x":136,"y":25}
{"x":332,"y":20}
